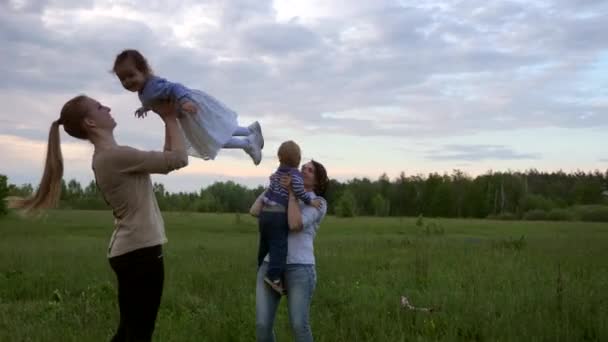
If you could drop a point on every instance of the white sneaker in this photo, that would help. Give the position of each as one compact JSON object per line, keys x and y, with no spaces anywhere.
{"x":255,"y":128}
{"x":254,"y":150}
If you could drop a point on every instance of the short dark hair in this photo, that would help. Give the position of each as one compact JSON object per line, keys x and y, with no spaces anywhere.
{"x":138,"y":59}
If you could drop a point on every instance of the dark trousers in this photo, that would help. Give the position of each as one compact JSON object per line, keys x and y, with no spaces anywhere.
{"x":140,"y":275}
{"x":273,"y":241}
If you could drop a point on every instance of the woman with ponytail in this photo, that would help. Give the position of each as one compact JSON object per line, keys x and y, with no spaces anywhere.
{"x":122,"y":174}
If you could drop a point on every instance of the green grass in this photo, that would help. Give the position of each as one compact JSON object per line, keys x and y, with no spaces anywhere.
{"x":489,"y":282}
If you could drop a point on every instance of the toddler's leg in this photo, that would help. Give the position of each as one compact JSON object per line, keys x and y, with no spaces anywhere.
{"x":242,"y":143}
{"x":254,"y":128}
{"x":241,"y":132}
{"x":245,"y":144}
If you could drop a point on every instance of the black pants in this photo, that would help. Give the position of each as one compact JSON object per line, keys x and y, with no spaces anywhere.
{"x":140,"y":275}
{"x":273,"y":241}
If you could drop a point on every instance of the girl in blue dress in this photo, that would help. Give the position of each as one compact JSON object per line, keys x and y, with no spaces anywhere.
{"x":208,"y":125}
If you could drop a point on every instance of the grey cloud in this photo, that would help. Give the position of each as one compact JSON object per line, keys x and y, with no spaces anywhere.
{"x":399,"y":24}
{"x":278,"y":38}
{"x":547,"y":28}
{"x":499,"y":11}
{"x":240,"y":11}
{"x":230,"y":81}
{"x":38,"y":6}
{"x":23,"y":28}
{"x":605,"y":160}
{"x":449,"y":86}
{"x":28,"y":133}
{"x":596,"y":7}
{"x":585,"y":34}
{"x":37,"y":59}
{"x":478,"y":153}
{"x":453,"y":68}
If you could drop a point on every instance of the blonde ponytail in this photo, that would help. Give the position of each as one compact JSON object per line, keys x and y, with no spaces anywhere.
{"x":48,"y":193}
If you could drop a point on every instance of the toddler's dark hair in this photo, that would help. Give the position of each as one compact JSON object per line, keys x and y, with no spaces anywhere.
{"x":138,"y":59}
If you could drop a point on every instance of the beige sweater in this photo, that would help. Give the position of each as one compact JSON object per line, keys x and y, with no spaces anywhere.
{"x":123,"y":177}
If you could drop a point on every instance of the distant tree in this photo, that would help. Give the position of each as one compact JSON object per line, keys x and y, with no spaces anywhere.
{"x":3,"y":194}
{"x":347,"y":205}
{"x":381,"y":205}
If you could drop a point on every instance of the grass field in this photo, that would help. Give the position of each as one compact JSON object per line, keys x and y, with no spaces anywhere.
{"x":492,"y":280}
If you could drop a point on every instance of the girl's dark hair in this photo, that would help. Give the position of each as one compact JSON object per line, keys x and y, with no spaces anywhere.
{"x":138,"y":59}
{"x":321,"y":178}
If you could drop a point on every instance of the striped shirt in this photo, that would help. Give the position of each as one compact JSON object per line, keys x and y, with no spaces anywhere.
{"x":280,"y":195}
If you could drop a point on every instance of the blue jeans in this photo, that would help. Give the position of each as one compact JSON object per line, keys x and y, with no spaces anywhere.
{"x":273,"y":241}
{"x":300,"y":282}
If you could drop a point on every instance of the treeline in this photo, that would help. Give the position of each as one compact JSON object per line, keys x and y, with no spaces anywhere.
{"x":505,"y":195}
{"x":3,"y":194}
{"x":220,"y":197}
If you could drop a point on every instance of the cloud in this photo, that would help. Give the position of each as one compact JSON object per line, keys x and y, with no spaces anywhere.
{"x":279,"y":39}
{"x":321,"y":69}
{"x":478,"y":153}
{"x":448,"y":65}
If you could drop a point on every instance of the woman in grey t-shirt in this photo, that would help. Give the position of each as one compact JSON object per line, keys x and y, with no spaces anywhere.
{"x":300,"y":274}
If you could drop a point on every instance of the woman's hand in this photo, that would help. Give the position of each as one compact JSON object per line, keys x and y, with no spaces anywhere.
{"x":256,"y":207}
{"x":166,"y":110}
{"x":189,"y":107}
{"x":317,"y":203}
{"x":286,"y":182}
{"x":174,"y":137}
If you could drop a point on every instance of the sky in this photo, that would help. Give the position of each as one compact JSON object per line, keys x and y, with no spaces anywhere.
{"x":365,"y":87}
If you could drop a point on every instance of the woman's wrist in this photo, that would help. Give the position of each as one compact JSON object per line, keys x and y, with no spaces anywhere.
{"x":169,"y":120}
